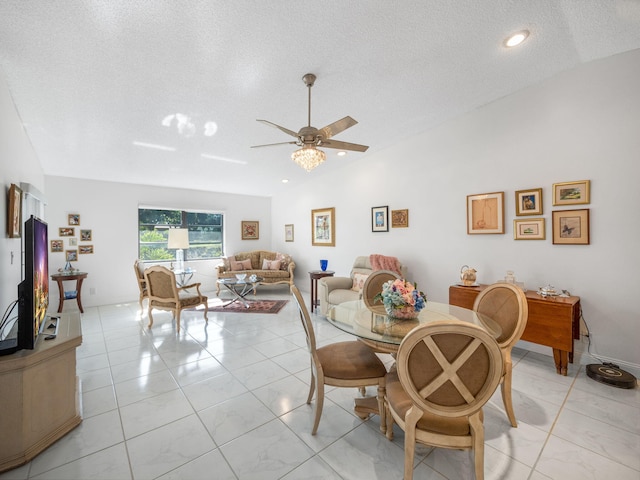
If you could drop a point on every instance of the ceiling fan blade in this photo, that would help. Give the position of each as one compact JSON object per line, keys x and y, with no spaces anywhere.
{"x":285,"y":130}
{"x":337,"y":127}
{"x":273,"y":144}
{"x":343,"y":145}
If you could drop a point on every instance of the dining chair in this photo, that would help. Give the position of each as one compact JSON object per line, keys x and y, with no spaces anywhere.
{"x":340,"y":364}
{"x":446,"y":372}
{"x":138,"y":268}
{"x":373,"y":286}
{"x":164,"y":294}
{"x":507,"y":305}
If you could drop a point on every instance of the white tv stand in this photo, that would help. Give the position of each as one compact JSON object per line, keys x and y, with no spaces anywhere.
{"x":39,"y":393}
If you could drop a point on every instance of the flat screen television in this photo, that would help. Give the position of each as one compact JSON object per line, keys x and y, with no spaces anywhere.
{"x":33,"y":291}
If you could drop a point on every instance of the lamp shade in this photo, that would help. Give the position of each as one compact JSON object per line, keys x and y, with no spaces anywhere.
{"x":178,"y":238}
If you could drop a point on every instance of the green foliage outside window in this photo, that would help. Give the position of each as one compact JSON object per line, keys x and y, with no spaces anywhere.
{"x":205,"y":234}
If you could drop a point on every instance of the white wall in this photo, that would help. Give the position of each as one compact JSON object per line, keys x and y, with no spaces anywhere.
{"x":110,"y":210}
{"x":18,"y":163}
{"x":582,"y":124}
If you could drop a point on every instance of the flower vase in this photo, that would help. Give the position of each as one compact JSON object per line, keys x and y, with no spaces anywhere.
{"x":403,"y":313}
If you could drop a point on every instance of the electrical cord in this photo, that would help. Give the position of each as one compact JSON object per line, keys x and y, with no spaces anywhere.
{"x":6,"y":316}
{"x":588,"y":334}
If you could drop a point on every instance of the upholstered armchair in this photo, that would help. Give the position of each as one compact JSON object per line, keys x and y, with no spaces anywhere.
{"x":336,"y":290}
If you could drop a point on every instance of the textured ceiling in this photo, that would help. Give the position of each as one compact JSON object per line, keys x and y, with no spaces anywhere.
{"x":89,"y":78}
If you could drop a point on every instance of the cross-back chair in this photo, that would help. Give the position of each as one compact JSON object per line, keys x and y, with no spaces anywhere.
{"x":507,"y":305}
{"x":373,"y":286}
{"x":164,"y":294}
{"x":340,"y":364}
{"x":446,"y":372}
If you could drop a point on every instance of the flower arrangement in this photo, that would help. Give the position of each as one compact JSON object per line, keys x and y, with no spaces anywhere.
{"x":401,"y":299}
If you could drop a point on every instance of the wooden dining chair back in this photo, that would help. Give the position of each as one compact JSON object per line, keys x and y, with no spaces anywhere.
{"x":506,"y":304}
{"x":446,"y":372}
{"x":164,"y":294}
{"x":138,"y":268}
{"x":340,"y":364}
{"x":373,"y":286}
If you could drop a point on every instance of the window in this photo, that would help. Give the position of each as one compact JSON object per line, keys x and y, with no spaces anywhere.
{"x":205,"y":233}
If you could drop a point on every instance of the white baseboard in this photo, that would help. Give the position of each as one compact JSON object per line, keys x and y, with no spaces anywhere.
{"x":582,"y":357}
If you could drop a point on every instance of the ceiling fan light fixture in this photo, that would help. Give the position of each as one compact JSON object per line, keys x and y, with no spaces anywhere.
{"x":308,"y":157}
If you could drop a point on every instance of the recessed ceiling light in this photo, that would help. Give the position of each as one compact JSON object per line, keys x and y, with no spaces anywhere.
{"x":516,"y":39}
{"x":285,"y":180}
{"x":341,"y":153}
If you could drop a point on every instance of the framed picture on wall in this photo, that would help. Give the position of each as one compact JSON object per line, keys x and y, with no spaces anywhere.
{"x":66,"y":232}
{"x":571,"y":227}
{"x":14,"y":223}
{"x":250,"y":230}
{"x":323,"y":227}
{"x":529,"y":202}
{"x":57,"y":246}
{"x":71,"y":255}
{"x":400,"y":218}
{"x":380,"y":219}
{"x":530,"y":229}
{"x":288,"y":233}
{"x":572,"y":193}
{"x":85,"y":249}
{"x":74,"y":219}
{"x":485,"y":213}
{"x":85,"y":235}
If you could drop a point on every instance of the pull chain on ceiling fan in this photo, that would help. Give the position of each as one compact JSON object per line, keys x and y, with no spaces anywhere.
{"x":309,"y":138}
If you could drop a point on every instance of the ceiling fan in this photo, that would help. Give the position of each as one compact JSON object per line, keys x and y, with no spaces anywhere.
{"x":309,"y":138}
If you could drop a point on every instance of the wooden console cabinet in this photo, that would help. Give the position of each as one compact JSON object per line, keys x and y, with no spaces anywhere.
{"x":39,"y":394}
{"x":552,"y":321}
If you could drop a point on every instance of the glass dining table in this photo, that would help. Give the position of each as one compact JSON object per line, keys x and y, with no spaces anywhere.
{"x":384,"y":334}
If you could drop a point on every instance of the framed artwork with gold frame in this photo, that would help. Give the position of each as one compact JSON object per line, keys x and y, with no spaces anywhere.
{"x":57,"y":246}
{"x":288,"y":232}
{"x":485,"y":213}
{"x":400,"y":218}
{"x":529,"y":202}
{"x":250,"y":230}
{"x":14,"y":215}
{"x":529,"y":229}
{"x":323,"y":227}
{"x":572,"y":193}
{"x":570,"y":227}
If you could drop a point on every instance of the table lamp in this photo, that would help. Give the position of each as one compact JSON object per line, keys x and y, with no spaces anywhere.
{"x":179,"y":239}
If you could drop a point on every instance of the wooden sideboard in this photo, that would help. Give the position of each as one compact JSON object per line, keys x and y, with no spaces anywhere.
{"x":39,"y":394}
{"x":553,"y":321}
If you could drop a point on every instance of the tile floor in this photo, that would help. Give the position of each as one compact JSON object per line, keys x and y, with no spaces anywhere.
{"x":226,"y":400}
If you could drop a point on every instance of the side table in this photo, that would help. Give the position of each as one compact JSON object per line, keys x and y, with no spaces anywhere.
{"x":553,"y":321}
{"x":63,"y":277}
{"x":315,"y":275}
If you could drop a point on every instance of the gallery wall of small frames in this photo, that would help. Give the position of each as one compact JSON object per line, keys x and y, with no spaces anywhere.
{"x":485,"y":213}
{"x":78,"y":240}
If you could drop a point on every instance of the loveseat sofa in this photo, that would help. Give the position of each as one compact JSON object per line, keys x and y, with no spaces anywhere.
{"x":335,"y":290}
{"x":273,"y":267}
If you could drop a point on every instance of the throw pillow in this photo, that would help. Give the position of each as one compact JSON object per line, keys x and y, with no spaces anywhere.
{"x":358,"y":281}
{"x":270,"y":264}
{"x":236,"y":266}
{"x":285,"y":260}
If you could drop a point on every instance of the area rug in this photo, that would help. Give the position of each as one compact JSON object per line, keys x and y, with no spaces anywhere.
{"x":255,"y":306}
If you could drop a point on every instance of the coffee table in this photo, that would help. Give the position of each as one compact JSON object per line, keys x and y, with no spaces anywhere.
{"x":240,"y":288}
